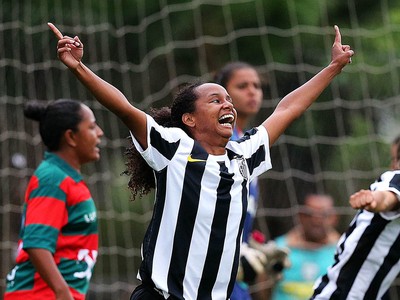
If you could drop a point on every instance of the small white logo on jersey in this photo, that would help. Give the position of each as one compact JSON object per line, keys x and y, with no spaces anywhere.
{"x":90,"y":217}
{"x":242,"y":166}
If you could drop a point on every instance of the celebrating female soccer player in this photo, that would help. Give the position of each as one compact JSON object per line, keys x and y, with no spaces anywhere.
{"x":191,"y":248}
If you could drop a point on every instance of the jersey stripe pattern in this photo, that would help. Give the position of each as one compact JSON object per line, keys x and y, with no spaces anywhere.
{"x":368,"y":253}
{"x":191,"y":247}
{"x":59,"y":215}
{"x":252,"y":201}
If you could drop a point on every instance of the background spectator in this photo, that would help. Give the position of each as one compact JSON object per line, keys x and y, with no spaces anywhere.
{"x":312,"y":244}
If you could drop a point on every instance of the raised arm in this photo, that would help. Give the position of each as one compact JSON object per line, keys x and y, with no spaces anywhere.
{"x":295,"y":103}
{"x":374,"y":201}
{"x":70,"y":52}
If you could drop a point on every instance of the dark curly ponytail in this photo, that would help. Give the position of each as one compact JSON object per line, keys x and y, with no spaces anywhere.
{"x":141,"y":180}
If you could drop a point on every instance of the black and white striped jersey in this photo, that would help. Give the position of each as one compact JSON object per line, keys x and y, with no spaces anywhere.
{"x":191,"y":247}
{"x":368,"y":253}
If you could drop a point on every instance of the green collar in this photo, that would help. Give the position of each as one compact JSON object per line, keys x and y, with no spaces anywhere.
{"x":62,"y":164}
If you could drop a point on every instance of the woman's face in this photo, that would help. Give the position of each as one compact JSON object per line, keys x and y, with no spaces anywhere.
{"x":214,"y":115}
{"x":244,"y":87}
{"x":88,"y":137}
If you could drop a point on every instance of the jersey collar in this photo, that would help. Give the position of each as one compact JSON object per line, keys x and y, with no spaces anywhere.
{"x":62,"y":164}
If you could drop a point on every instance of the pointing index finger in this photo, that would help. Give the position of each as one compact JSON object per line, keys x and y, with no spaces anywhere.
{"x":338,"y":37}
{"x":57,"y":32}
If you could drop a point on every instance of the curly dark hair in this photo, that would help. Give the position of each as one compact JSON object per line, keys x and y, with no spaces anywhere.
{"x":141,"y":180}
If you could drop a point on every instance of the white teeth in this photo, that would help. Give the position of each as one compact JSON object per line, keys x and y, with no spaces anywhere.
{"x":227,"y":117}
{"x":229,"y":120}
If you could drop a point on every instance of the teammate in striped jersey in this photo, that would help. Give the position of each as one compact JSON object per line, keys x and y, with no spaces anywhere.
{"x":368,"y":253}
{"x":191,"y":247}
{"x":58,"y":242}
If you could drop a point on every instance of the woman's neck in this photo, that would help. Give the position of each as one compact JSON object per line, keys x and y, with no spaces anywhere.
{"x":70,"y":159}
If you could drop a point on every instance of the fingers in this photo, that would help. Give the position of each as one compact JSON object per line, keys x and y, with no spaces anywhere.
{"x":338,"y":37}
{"x":55,"y":30}
{"x":77,"y":42}
{"x":339,"y":50}
{"x":372,"y":206}
{"x":362,"y":199}
{"x":346,"y":47}
{"x":66,"y":39}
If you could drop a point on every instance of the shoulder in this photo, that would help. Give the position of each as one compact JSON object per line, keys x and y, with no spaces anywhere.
{"x":158,"y":131}
{"x":47,"y":181}
{"x":254,"y":136}
{"x":389,"y":175}
{"x":249,"y":134}
{"x":48,"y":173}
{"x":388,"y":180}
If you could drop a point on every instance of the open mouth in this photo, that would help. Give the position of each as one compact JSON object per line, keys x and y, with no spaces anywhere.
{"x":227,"y":120}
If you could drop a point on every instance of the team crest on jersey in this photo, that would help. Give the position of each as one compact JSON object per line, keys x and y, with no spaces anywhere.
{"x":242,"y":166}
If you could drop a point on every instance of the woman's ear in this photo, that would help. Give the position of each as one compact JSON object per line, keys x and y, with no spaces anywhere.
{"x":69,"y":137}
{"x":188,"y":119}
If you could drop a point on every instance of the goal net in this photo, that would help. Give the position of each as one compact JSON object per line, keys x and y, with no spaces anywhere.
{"x":148,"y":48}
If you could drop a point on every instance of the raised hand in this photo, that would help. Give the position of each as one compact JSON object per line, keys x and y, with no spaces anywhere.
{"x":69,"y":50}
{"x":363,"y":199}
{"x":374,"y":201}
{"x":341,"y":54}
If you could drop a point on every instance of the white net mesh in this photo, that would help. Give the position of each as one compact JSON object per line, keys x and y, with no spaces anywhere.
{"x":148,"y":48}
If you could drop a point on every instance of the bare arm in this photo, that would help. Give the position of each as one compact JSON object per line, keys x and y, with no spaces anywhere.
{"x":45,"y":265}
{"x":70,"y":52}
{"x":374,"y":201}
{"x":295,"y":103}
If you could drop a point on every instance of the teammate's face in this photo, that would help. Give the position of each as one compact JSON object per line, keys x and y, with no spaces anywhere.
{"x":88,"y":137}
{"x":214,"y":115}
{"x":244,"y":87}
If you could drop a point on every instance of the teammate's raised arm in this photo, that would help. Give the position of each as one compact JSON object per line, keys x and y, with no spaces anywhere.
{"x":295,"y":103}
{"x":374,"y":201}
{"x":70,"y":52}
